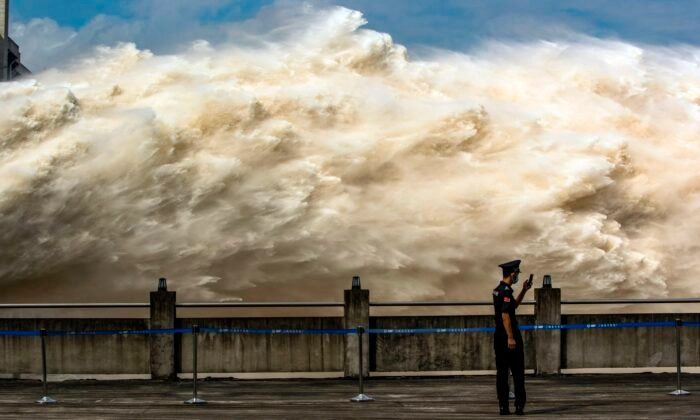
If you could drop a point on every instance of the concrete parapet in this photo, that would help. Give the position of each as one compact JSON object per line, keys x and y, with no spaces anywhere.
{"x":548,"y":351}
{"x":616,"y":348}
{"x":548,"y":342}
{"x":249,"y":353}
{"x":162,"y":345}
{"x":77,"y":355}
{"x":439,"y":352}
{"x":356,"y":315}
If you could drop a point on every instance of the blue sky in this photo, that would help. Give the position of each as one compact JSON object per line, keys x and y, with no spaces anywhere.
{"x":51,"y":32}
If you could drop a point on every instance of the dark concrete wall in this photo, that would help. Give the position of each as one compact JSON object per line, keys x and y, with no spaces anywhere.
{"x":162,"y":346}
{"x":106,"y":354}
{"x":439,"y":352}
{"x":263,"y":352}
{"x":130,"y":354}
{"x":548,"y":342}
{"x":356,"y":314}
{"x":628,"y":347}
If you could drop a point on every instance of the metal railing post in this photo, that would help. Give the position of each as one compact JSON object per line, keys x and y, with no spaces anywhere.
{"x":679,"y":390}
{"x":361,"y":397}
{"x":194,"y":399}
{"x":45,"y":399}
{"x":511,"y":395}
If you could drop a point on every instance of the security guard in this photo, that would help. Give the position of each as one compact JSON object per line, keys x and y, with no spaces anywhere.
{"x":507,"y":341}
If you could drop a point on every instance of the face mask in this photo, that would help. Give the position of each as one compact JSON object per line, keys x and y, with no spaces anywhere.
{"x":515,"y":279}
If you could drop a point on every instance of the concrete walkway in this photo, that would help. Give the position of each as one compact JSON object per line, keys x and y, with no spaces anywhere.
{"x":638,"y":396}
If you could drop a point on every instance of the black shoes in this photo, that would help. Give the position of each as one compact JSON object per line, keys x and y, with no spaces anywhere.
{"x":504,"y":411}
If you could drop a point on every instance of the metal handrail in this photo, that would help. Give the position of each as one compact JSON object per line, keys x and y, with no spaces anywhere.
{"x":178,"y":305}
{"x":258,"y":304}
{"x":532,"y":302}
{"x":71,"y":305}
{"x":627,"y":301}
{"x":331,"y":304}
{"x":445,"y":303}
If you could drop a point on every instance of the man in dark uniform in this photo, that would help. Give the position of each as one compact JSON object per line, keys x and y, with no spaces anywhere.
{"x":507,"y":341}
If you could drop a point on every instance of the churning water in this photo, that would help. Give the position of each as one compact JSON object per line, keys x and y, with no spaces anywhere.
{"x":280,"y":168}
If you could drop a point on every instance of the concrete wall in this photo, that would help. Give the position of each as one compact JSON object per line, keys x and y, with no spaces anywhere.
{"x":4,"y":18}
{"x":108,"y":354}
{"x":628,"y":347}
{"x":263,"y":352}
{"x":130,"y":354}
{"x":4,"y":15}
{"x":439,"y":352}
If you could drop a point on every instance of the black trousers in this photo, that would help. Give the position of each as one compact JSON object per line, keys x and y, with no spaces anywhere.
{"x":513,"y":361}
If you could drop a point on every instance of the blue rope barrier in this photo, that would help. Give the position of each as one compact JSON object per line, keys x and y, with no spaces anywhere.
{"x":95,"y":332}
{"x":428,"y":330}
{"x":523,"y":327}
{"x":278,"y":331}
{"x":120,"y":332}
{"x":598,"y":325}
{"x":347,"y":330}
{"x":30,"y":333}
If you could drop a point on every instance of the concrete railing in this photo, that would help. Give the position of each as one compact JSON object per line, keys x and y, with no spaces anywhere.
{"x":547,"y":350}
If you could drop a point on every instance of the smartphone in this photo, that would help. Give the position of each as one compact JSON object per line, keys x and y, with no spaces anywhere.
{"x":529,"y":281}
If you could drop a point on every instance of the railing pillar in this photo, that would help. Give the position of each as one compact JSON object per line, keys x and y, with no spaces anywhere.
{"x":356,"y":315}
{"x":162,"y":345}
{"x":45,"y":399}
{"x":679,"y":391}
{"x":547,"y":341}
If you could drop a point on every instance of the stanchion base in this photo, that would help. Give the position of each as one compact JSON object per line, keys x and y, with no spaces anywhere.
{"x":361,"y":398}
{"x":679,"y":392}
{"x":195,"y":401}
{"x":46,"y":400}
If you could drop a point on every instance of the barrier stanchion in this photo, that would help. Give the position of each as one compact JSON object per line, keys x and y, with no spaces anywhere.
{"x":194,"y":399}
{"x":361,"y":397}
{"x":679,"y":390}
{"x":45,"y":399}
{"x":511,"y":395}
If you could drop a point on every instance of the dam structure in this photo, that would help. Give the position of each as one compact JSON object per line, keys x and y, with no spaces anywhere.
{"x":10,"y":59}
{"x":257,"y":366}
{"x":452,"y":340}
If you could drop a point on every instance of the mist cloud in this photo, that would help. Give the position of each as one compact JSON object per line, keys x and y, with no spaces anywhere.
{"x":316,"y":150}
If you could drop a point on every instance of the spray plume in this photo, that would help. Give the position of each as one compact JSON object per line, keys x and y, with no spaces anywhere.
{"x":278,"y":169}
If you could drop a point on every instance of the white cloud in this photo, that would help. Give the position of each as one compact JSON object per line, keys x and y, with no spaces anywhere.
{"x":45,"y":44}
{"x":165,"y":26}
